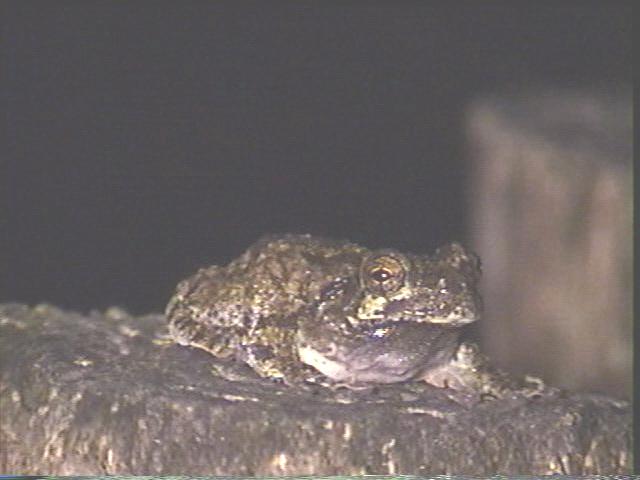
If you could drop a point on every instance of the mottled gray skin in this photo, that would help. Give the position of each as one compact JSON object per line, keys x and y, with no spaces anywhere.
{"x":296,"y":306}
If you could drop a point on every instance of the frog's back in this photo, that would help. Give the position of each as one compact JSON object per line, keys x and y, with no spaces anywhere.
{"x":218,"y":308}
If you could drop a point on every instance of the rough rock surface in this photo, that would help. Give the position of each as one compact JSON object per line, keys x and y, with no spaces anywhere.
{"x":108,"y":394}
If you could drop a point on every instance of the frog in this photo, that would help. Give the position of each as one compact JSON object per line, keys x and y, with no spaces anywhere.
{"x":300,"y":309}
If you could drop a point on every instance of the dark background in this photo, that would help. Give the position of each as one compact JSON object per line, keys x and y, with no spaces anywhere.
{"x":145,"y":139}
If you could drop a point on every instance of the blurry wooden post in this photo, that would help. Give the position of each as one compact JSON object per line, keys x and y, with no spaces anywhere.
{"x":551,"y":217}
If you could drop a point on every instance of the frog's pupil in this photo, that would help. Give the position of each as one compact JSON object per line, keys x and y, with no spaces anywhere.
{"x":380,"y":275}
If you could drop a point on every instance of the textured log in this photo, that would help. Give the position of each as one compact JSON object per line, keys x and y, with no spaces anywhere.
{"x":107,"y":394}
{"x":551,"y":217}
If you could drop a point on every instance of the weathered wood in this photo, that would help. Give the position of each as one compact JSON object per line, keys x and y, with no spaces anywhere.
{"x":551,"y":218}
{"x":107,"y":394}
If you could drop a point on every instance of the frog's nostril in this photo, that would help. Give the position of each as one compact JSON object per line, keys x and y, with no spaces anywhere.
{"x":330,"y":349}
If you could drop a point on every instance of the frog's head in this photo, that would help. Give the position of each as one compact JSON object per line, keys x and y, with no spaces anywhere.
{"x":391,"y":316}
{"x":441,"y":289}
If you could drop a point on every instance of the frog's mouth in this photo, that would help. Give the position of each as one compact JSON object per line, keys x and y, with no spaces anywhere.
{"x":403,"y":310}
{"x":384,"y":353}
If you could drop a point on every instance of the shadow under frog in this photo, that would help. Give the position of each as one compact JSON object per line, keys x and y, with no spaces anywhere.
{"x":302,"y":309}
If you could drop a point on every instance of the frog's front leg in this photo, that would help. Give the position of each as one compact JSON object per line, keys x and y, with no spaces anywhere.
{"x":270,"y":353}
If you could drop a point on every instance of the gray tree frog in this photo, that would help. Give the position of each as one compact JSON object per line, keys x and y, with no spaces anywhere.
{"x":301,"y":307}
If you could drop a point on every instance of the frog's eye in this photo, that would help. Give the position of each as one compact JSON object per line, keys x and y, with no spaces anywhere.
{"x":383,"y":274}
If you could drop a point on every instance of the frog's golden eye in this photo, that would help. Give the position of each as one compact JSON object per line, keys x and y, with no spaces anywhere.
{"x":383,"y":274}
{"x":380,"y":275}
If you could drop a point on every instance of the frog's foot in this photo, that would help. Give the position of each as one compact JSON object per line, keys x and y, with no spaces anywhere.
{"x":446,"y":376}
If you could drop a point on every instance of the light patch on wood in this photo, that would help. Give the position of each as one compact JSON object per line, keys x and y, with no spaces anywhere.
{"x":83,"y":362}
{"x":128,"y":331}
{"x":280,"y":461}
{"x":426,"y":411}
{"x":387,"y":451}
{"x":348,"y":432}
{"x":239,"y":398}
